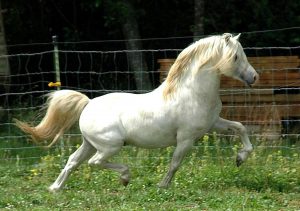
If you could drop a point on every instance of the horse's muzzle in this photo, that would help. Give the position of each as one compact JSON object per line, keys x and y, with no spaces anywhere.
{"x":250,"y":76}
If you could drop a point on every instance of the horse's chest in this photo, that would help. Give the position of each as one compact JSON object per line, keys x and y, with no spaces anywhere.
{"x":201,"y":114}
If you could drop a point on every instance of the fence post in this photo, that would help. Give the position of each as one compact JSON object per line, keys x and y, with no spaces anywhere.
{"x":56,"y":61}
{"x":57,"y":84}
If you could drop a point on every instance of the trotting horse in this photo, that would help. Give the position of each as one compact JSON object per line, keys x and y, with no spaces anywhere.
{"x":177,"y":113}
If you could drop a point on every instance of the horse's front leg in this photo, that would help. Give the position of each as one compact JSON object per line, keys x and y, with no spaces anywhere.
{"x":223,"y":124}
{"x":181,"y":150}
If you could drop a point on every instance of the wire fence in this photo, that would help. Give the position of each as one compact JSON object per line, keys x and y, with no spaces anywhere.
{"x":270,"y":111}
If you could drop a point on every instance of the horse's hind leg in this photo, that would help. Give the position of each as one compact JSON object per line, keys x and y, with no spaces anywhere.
{"x":100,"y":160}
{"x":84,"y":152}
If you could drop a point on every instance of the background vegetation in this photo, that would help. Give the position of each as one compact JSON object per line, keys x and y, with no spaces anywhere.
{"x":35,"y":21}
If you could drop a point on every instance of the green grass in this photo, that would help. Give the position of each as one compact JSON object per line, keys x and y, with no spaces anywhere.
{"x":207,"y":180}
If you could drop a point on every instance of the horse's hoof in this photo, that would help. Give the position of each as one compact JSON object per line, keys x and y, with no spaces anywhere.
{"x":239,"y":161}
{"x":124,"y":182}
{"x":242,"y":157}
{"x":53,"y":189}
{"x":163,"y":186}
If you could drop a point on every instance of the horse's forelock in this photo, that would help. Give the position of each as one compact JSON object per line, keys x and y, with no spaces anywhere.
{"x":229,"y":51}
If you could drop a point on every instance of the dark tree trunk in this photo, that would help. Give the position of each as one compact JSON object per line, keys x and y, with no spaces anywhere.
{"x":4,"y":65}
{"x":136,"y":60}
{"x":199,"y":19}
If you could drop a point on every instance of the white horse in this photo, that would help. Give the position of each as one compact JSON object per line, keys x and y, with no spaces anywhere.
{"x":181,"y":110}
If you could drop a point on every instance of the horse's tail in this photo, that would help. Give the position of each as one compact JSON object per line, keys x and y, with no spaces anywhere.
{"x":63,"y":110}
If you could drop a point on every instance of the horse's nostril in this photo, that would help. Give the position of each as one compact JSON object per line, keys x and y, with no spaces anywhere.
{"x":254,"y":78}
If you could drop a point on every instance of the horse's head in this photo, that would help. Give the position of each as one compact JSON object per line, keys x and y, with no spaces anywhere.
{"x":222,"y":53}
{"x":236,"y":65}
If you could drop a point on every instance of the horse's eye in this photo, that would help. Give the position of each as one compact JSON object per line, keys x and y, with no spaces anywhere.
{"x":235,"y":58}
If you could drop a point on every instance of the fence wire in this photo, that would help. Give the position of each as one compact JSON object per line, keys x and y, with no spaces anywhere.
{"x":96,"y":73}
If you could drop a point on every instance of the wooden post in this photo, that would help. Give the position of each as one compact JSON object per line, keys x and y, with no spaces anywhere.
{"x":57,"y":84}
{"x":164,"y":67}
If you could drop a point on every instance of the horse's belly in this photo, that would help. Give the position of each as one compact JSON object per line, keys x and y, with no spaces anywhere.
{"x":150,"y":138}
{"x":148,"y":130}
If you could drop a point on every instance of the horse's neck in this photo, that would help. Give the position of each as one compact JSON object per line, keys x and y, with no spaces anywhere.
{"x":205,"y":83}
{"x":194,"y":86}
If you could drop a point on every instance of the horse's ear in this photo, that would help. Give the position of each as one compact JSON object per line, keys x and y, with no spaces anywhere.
{"x":237,"y":36}
{"x":227,"y":37}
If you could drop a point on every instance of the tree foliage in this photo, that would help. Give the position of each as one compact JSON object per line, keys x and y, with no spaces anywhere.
{"x":35,"y":21}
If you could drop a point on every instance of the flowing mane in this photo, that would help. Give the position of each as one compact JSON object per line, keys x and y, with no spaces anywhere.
{"x":205,"y":50}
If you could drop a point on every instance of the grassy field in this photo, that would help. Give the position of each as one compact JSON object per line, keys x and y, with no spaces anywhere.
{"x":207,"y":180}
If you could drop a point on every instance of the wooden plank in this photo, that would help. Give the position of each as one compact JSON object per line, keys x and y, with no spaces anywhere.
{"x":289,"y":64}
{"x":279,"y":75}
{"x":274,"y":62}
{"x":291,"y":82}
{"x":253,"y":115}
{"x":279,"y":98}
{"x":247,"y":91}
{"x":284,"y":111}
{"x":273,"y":58}
{"x":268,"y":78}
{"x":281,"y":66}
{"x":259,"y":122}
{"x":278,"y":83}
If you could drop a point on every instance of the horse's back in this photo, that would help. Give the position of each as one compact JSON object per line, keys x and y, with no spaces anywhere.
{"x":103,"y":111}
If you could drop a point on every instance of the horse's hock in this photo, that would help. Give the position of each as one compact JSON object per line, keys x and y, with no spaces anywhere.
{"x":270,"y":105}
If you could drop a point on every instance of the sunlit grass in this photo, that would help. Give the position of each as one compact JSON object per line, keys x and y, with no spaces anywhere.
{"x":207,"y":180}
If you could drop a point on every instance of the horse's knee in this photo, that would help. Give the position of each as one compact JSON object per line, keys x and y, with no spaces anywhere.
{"x":240,"y":128}
{"x":72,"y":163}
{"x":96,"y":160}
{"x":249,"y":149}
{"x":93,"y":162}
{"x":71,"y":166}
